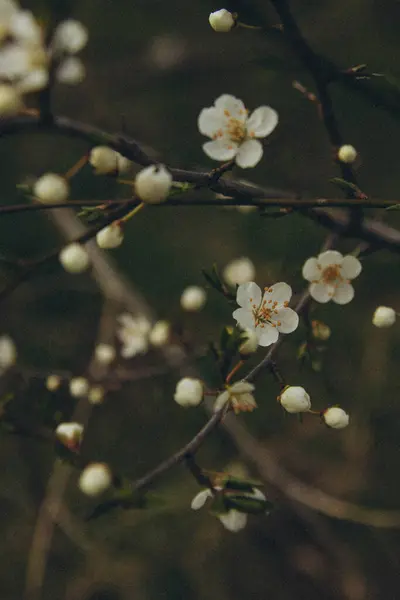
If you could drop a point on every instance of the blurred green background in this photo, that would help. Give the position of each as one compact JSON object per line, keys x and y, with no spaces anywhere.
{"x":151,"y":67}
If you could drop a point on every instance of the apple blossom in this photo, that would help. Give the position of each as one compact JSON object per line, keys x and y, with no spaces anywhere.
{"x":295,"y":399}
{"x":221,"y":20}
{"x":153,"y":184}
{"x":267,"y":315}
{"x":104,"y":354}
{"x":189,"y":392}
{"x":95,"y":479}
{"x":336,"y":417}
{"x":330,"y":274}
{"x":78,"y":387}
{"x":74,"y":258}
{"x":111,"y":236}
{"x":239,"y":395}
{"x":384,"y":316}
{"x":233,"y":132}
{"x":193,"y":298}
{"x":107,"y":161}
{"x":239,"y":271}
{"x":51,"y":188}
{"x":347,"y":154}
{"x":133,"y":334}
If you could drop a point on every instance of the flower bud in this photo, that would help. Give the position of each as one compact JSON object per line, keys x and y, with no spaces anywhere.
{"x":104,"y":354}
{"x":384,"y":316}
{"x":221,"y":20}
{"x":10,"y":100}
{"x":347,"y":154}
{"x":295,"y":399}
{"x":96,"y":394}
{"x":95,"y":479}
{"x":250,"y":342}
{"x":51,"y":188}
{"x":74,"y":258}
{"x":78,"y":387}
{"x":8,"y":353}
{"x":53,"y":382}
{"x":239,"y":271}
{"x":70,"y":37}
{"x":71,"y":71}
{"x":153,"y":184}
{"x":320,"y":330}
{"x":70,"y":434}
{"x":160,"y":333}
{"x":193,"y":298}
{"x":107,"y":161}
{"x":111,"y":236}
{"x":336,"y":417}
{"x":189,"y":392}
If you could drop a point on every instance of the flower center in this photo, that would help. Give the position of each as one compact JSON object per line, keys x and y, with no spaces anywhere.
{"x":264,"y":313}
{"x":331,"y":274}
{"x":236,"y":130}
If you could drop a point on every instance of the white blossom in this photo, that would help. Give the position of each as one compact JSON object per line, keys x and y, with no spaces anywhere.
{"x":295,"y":399}
{"x":193,"y":298}
{"x":239,"y":395}
{"x":160,"y":333}
{"x":96,"y":394}
{"x":189,"y":392}
{"x":239,"y":271}
{"x":104,"y":354}
{"x":8,"y":353}
{"x":221,"y":20}
{"x":153,"y":184}
{"x":267,"y":315}
{"x":133,"y":334}
{"x":233,"y":132}
{"x":8,"y":8}
{"x":33,"y":81}
{"x":70,"y":37}
{"x":25,"y":29}
{"x":51,"y":188}
{"x":78,"y":387}
{"x":74,"y":258}
{"x":330,"y":274}
{"x":71,"y":71}
{"x":107,"y":161}
{"x":336,"y":417}
{"x":53,"y":382}
{"x":384,"y":316}
{"x":250,"y":343}
{"x":10,"y":100}
{"x":347,"y":154}
{"x":70,"y":434}
{"x":95,"y":479}
{"x":111,"y":236}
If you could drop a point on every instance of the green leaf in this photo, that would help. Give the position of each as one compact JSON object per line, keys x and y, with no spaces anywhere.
{"x":248,"y":505}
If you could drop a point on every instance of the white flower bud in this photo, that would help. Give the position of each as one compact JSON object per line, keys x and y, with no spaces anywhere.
{"x":51,"y":188}
{"x":71,"y":71}
{"x":189,"y":392}
{"x":104,"y":354}
{"x":78,"y":387}
{"x":10,"y":100}
{"x":106,"y":161}
{"x":159,"y":335}
{"x":95,"y":479}
{"x":53,"y":382}
{"x":239,"y":271}
{"x":336,"y":417}
{"x":250,"y":344}
{"x":153,"y":184}
{"x":74,"y":258}
{"x":111,"y":236}
{"x":221,"y":20}
{"x":347,"y":154}
{"x":193,"y":298}
{"x":96,"y":394}
{"x":384,"y":316}
{"x":8,"y":353}
{"x":295,"y":399}
{"x":70,"y":36}
{"x":70,"y":434}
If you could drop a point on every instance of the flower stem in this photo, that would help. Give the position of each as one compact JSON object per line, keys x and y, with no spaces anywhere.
{"x":234,"y":370}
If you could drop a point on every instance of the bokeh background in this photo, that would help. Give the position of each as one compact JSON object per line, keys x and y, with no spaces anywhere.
{"x":151,"y":67}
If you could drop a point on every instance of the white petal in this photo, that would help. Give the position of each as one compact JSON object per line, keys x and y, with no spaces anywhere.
{"x":249,"y":154}
{"x":248,"y":294}
{"x":241,"y":387}
{"x":233,"y":520}
{"x":200,"y":499}
{"x":321,"y":292}
{"x":351,"y":267}
{"x":344,"y":293}
{"x":330,"y":257}
{"x":310,"y":270}
{"x":281,"y":292}
{"x":221,"y":400}
{"x":244,"y":318}
{"x":257,"y":494}
{"x":220,"y":150}
{"x":233,"y":105}
{"x":268,"y":335}
{"x":289,"y":320}
{"x":262,"y":121}
{"x":210,"y":121}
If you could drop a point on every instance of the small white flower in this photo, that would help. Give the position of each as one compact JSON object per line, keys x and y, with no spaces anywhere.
{"x":53,"y":382}
{"x":193,"y":298}
{"x":267,"y":315}
{"x":153,"y":184}
{"x":95,"y":479}
{"x":189,"y":392}
{"x":74,"y":258}
{"x":104,"y":354}
{"x":25,"y":29}
{"x":107,"y":161}
{"x":70,"y":434}
{"x":239,"y":271}
{"x":78,"y":387}
{"x":70,"y":37}
{"x":71,"y":71}
{"x":336,"y":417}
{"x":221,"y":20}
{"x":250,"y":343}
{"x":233,"y":132}
{"x":295,"y":399}
{"x":347,"y":154}
{"x":10,"y":100}
{"x":133,"y":334}
{"x":160,"y":333}
{"x":111,"y":236}
{"x":51,"y":188}
{"x":8,"y":353}
{"x":330,"y":275}
{"x":239,"y":395}
{"x":384,"y":316}
{"x":96,"y":394}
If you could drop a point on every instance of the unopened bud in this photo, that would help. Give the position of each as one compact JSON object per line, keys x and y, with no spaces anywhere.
{"x":51,"y":188}
{"x":111,"y":236}
{"x":221,"y":20}
{"x":336,"y":417}
{"x":384,"y":316}
{"x":153,"y":184}
{"x":347,"y":154}
{"x":193,"y":298}
{"x":95,"y":479}
{"x":74,"y":258}
{"x":189,"y":392}
{"x":295,"y":399}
